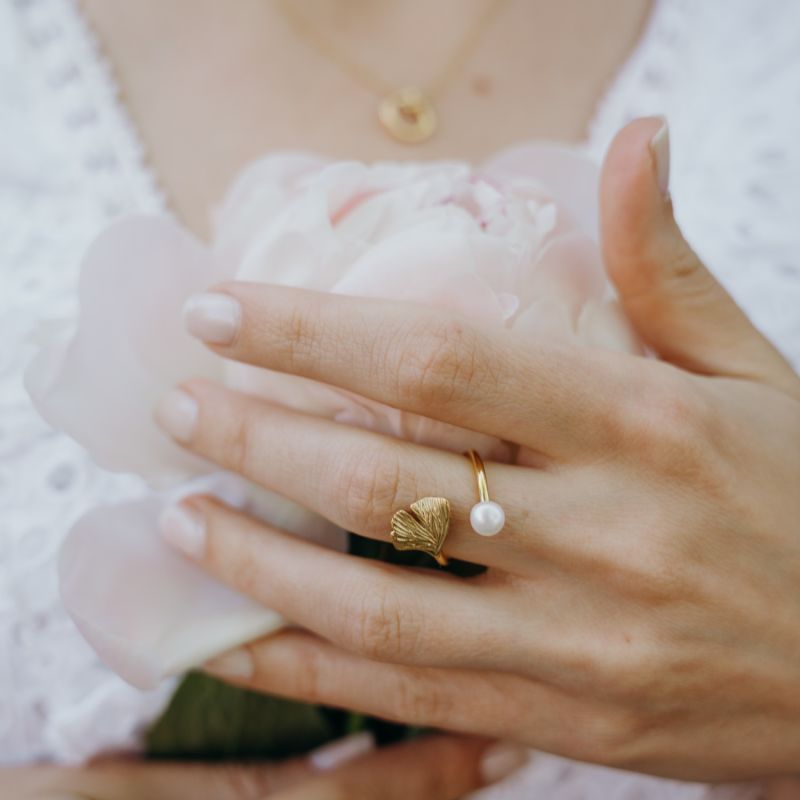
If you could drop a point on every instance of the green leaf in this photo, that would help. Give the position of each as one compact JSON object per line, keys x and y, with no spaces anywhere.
{"x":208,"y":720}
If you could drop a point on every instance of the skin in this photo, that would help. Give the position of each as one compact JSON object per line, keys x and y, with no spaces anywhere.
{"x":537,"y":73}
{"x":438,"y":768}
{"x":640,"y":608}
{"x":262,"y":90}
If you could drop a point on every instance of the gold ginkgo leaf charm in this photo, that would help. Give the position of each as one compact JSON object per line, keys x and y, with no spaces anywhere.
{"x":423,"y":527}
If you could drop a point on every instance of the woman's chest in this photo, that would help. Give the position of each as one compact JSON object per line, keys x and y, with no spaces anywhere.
{"x":211,"y":87}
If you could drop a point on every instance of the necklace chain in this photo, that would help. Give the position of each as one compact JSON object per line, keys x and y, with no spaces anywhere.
{"x":407,"y":113}
{"x":368,"y":78}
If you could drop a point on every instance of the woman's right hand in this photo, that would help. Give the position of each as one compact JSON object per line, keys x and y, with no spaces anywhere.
{"x":430,"y":768}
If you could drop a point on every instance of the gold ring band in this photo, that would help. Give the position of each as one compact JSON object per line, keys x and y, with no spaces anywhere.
{"x":423,"y":526}
{"x":486,"y":517}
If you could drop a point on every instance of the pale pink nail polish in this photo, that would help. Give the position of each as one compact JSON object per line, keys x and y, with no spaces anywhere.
{"x":500,"y":760}
{"x":335,"y":754}
{"x":184,"y":529}
{"x":659,"y":146}
{"x":177,"y":414}
{"x":212,"y":317}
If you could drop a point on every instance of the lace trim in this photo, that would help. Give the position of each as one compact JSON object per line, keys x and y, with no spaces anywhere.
{"x":80,"y":81}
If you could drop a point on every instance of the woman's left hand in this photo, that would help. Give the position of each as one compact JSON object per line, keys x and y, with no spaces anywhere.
{"x":641,"y":606}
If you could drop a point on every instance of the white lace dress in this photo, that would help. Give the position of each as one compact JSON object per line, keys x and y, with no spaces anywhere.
{"x":725,"y":72}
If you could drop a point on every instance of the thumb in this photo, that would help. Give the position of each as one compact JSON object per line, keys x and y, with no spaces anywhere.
{"x":675,"y":303}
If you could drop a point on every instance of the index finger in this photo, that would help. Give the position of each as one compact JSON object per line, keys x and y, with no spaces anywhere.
{"x":423,"y":360}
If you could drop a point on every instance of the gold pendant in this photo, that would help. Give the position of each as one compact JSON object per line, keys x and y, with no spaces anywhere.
{"x":408,"y":115}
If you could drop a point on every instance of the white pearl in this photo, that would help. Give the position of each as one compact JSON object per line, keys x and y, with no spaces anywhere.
{"x":487,"y":518}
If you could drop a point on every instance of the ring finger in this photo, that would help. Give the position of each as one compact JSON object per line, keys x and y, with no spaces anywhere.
{"x":380,"y":611}
{"x":358,"y":478}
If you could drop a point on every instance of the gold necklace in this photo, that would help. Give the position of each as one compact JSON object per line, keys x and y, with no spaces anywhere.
{"x":408,"y":112}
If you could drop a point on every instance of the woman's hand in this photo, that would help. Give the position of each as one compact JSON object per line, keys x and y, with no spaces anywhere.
{"x":641,"y":606}
{"x":436,"y":768}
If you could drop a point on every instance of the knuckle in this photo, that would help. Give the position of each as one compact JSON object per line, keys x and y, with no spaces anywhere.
{"x":668,"y":421}
{"x":376,"y":625}
{"x":651,"y":570}
{"x":371,"y":486}
{"x":238,"y":449}
{"x":235,"y":558}
{"x":243,"y":569}
{"x":685,"y":265}
{"x":301,"y":334}
{"x":308,"y":676}
{"x":622,"y":665}
{"x":609,"y":736}
{"x":421,"y":702}
{"x":438,"y":363}
{"x":631,"y":674}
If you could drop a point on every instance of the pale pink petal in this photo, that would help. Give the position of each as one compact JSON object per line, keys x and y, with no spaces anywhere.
{"x":129,"y":347}
{"x":567,"y":174}
{"x":417,"y":196}
{"x":260,"y":191}
{"x":299,"y":247}
{"x":567,"y":274}
{"x":546,"y":321}
{"x":448,"y":271}
{"x":148,"y":611}
{"x":291,"y":391}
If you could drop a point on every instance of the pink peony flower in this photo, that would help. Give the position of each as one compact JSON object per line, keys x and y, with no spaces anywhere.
{"x":513,"y":244}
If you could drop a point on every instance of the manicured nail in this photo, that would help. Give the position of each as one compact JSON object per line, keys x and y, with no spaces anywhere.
{"x":184,"y":529}
{"x":335,"y":754}
{"x":236,"y":663}
{"x":177,"y":414}
{"x":659,"y":145}
{"x":212,"y":317}
{"x":501,"y":760}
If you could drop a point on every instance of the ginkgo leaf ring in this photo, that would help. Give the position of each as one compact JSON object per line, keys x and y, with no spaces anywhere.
{"x":423,"y":526}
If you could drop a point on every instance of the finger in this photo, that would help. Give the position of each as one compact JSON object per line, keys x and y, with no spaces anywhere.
{"x":675,"y":302}
{"x":437,"y":767}
{"x":430,"y":768}
{"x":418,"y":359}
{"x":382,"y":612}
{"x":134,"y":779}
{"x":359,"y":479}
{"x":300,"y":665}
{"x":497,"y":704}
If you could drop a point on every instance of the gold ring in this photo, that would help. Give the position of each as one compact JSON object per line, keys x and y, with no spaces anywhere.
{"x":486,"y":517}
{"x":423,"y":527}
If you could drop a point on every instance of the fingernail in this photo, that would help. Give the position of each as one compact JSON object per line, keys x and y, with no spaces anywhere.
{"x":501,"y":760}
{"x":177,"y":414}
{"x":184,"y":529}
{"x":335,"y":754}
{"x":659,"y":145}
{"x":236,"y":663}
{"x":212,"y":317}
